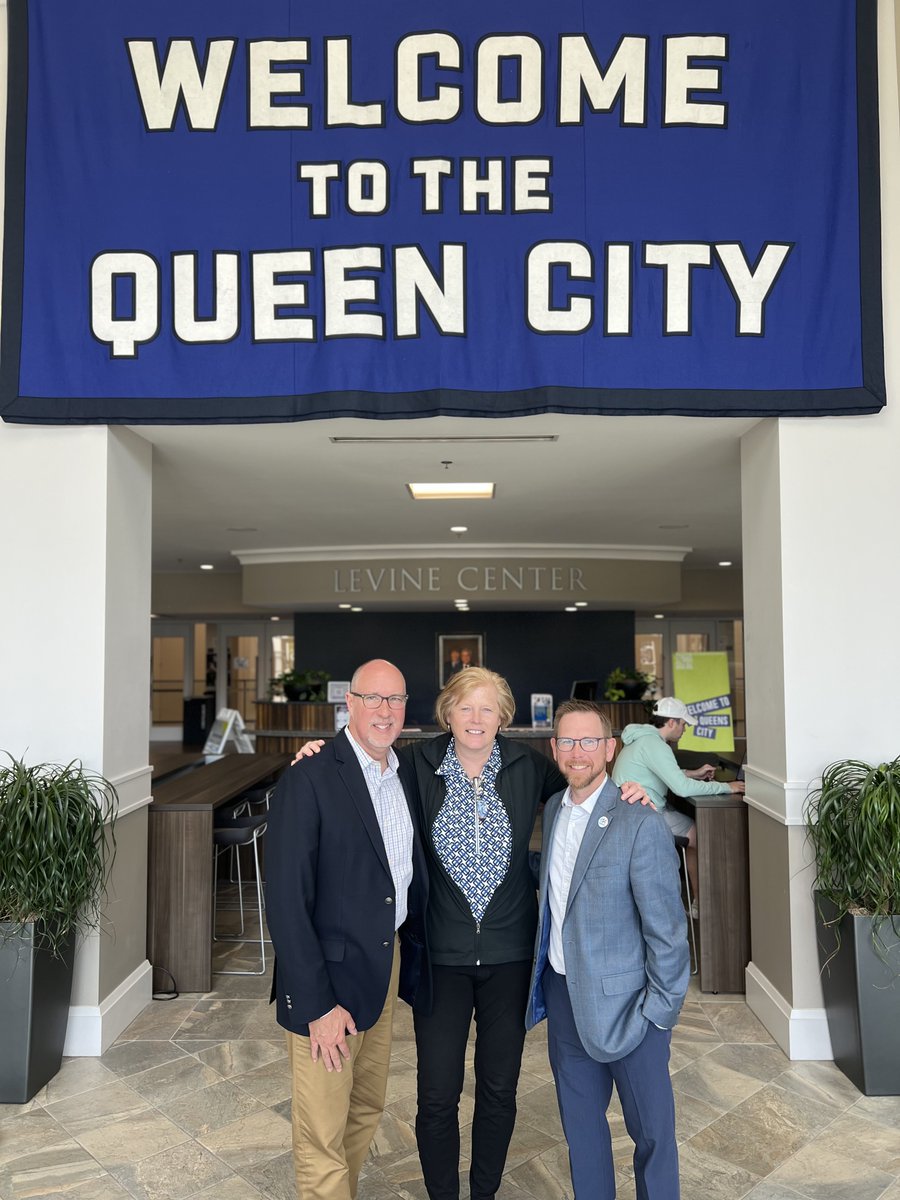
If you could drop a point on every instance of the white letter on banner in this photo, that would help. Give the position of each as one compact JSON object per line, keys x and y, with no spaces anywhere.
{"x":489,"y":105}
{"x":410,"y":52}
{"x":122,"y":334}
{"x":413,"y":279}
{"x":270,"y":294}
{"x":682,"y":80}
{"x":751,"y":288}
{"x":580,"y":72}
{"x":539,"y":287}
{"x":339,"y":108}
{"x":677,"y":259}
{"x":341,"y":290}
{"x":264,"y":83}
{"x":530,"y":177}
{"x":318,"y":176}
{"x":490,"y":185}
{"x":617,"y":321}
{"x":431,"y":170}
{"x":224,"y":325}
{"x":371,"y":197}
{"x":160,"y":95}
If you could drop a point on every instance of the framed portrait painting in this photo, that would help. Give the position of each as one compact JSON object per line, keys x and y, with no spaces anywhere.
{"x":456,"y":651}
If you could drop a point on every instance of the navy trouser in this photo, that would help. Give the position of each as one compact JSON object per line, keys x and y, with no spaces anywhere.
{"x":584,"y":1087}
{"x":497,"y":996}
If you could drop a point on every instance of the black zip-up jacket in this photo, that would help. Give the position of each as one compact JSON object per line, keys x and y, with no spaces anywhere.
{"x":506,"y":932}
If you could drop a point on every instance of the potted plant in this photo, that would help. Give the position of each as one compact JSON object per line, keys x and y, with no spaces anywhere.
{"x":56,"y":848}
{"x":302,"y":685}
{"x":626,"y":685}
{"x":853,"y":825}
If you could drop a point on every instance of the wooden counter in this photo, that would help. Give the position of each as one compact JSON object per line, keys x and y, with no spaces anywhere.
{"x":180,"y":864}
{"x":724,"y":870}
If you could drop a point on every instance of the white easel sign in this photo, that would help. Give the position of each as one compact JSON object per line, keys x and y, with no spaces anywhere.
{"x":228,"y":724}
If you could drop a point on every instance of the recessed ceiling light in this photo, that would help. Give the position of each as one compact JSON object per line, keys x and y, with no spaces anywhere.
{"x":571,"y":608}
{"x":725,"y":562}
{"x":437,"y":441}
{"x":659,"y":617}
{"x":274,"y":618}
{"x":356,"y":608}
{"x":207,"y":567}
{"x":154,"y":617}
{"x":345,"y":606}
{"x":459,"y":529}
{"x":581,"y":603}
{"x":451,"y":491}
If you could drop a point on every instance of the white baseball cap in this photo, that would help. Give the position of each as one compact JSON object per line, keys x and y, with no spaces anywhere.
{"x":670,"y":706}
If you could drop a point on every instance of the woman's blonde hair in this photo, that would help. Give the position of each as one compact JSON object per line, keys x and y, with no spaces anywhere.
{"x":466,"y":681}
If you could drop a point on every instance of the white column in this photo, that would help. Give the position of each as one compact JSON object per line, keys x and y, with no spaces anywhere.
{"x":821,"y":511}
{"x":75,"y":669}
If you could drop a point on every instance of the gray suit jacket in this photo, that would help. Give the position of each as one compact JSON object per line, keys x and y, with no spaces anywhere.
{"x":625,"y":931}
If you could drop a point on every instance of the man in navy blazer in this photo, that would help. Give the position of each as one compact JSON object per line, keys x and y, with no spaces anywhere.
{"x":345,"y":871}
{"x":611,"y":963}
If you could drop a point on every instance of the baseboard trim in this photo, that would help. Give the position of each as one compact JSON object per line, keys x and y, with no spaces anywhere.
{"x":93,"y":1028}
{"x":802,"y":1033}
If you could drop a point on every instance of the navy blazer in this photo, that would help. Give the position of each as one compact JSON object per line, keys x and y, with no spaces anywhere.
{"x":624,"y":932}
{"x":330,"y":899}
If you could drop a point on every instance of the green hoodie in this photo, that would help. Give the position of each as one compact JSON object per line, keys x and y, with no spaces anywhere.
{"x":646,"y":759}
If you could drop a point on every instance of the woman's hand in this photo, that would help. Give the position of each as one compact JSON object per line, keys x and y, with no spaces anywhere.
{"x":632,"y":792}
{"x":308,"y":750}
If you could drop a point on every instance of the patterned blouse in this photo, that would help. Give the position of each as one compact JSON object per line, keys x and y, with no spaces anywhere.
{"x":471,"y":833}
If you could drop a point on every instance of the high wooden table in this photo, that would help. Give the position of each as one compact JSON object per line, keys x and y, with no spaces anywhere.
{"x":724,"y":870}
{"x":180,"y":866}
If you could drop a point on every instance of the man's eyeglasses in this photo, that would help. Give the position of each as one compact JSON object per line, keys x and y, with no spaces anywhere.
{"x":588,"y":744}
{"x":373,"y":700}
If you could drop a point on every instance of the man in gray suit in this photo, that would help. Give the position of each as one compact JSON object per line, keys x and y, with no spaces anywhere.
{"x":611,"y":963}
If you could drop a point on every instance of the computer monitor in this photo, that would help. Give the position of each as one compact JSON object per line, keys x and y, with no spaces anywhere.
{"x":584,"y":689}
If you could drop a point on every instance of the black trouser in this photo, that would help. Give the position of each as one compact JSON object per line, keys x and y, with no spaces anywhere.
{"x":497,"y":995}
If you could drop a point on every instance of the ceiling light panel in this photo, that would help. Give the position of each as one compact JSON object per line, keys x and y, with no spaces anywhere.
{"x":451,"y":491}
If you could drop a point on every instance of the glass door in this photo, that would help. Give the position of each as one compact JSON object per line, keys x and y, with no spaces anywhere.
{"x":171,"y":646}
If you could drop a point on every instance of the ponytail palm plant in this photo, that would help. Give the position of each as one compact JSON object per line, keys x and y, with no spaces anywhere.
{"x":56,"y":848}
{"x":853,"y":822}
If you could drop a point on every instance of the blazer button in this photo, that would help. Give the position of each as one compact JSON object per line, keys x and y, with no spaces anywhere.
{"x":385,"y":944}
{"x":389,"y":899}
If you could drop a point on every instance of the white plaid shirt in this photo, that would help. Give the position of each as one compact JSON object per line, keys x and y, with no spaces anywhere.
{"x":394,"y":821}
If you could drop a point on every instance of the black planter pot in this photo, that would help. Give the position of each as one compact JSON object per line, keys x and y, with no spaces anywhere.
{"x":862,"y":999}
{"x":35,"y":990}
{"x":632,"y":689}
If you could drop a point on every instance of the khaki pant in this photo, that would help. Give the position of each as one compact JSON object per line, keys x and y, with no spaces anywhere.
{"x":335,"y":1114}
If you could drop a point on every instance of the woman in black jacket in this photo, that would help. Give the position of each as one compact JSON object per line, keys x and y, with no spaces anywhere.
{"x":479,"y":794}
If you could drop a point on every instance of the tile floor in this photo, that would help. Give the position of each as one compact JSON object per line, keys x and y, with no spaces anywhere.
{"x":193,"y":1101}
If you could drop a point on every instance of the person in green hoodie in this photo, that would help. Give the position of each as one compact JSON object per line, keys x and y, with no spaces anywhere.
{"x":648,"y":759}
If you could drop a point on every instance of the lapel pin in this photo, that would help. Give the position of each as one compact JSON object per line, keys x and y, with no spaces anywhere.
{"x":603,"y":822}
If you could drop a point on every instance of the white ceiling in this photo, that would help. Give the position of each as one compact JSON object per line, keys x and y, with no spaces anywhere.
{"x":606,"y":480}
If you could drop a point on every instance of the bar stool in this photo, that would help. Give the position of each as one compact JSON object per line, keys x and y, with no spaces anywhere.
{"x":681,"y":844}
{"x":251,"y":803}
{"x":230,"y":834}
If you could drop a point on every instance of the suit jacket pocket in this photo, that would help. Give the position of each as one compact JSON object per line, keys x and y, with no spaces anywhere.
{"x":628,"y":981}
{"x":332,"y":950}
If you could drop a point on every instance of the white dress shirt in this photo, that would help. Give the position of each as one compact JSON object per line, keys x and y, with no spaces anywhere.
{"x":568,"y":831}
{"x":394,"y":821}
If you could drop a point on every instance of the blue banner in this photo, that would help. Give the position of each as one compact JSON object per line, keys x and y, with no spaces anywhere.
{"x":224,"y":211}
